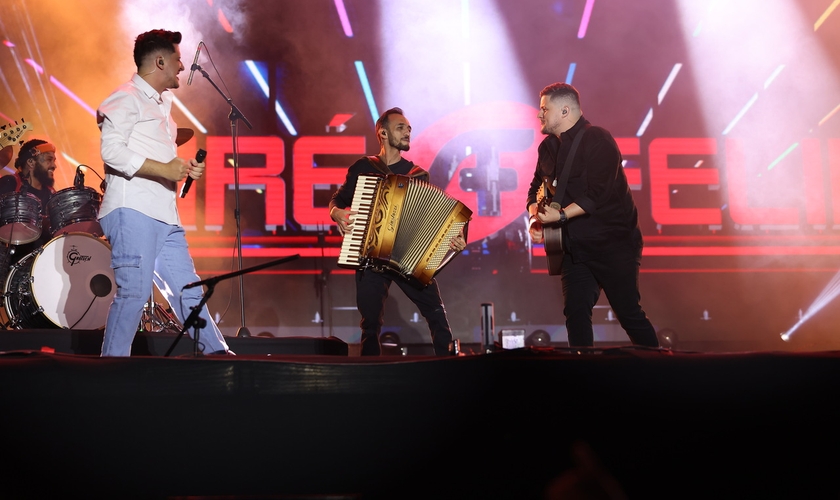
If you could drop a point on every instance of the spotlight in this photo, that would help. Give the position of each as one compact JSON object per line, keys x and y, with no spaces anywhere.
{"x":667,"y":338}
{"x":538,"y":338}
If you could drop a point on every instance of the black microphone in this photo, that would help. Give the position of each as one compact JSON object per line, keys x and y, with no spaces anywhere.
{"x":195,"y":62}
{"x":79,"y":180}
{"x":199,"y":157}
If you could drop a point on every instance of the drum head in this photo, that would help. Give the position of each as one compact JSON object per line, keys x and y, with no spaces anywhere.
{"x":72,"y":281}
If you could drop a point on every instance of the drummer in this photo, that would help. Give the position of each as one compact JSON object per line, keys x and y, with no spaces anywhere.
{"x":35,"y":174}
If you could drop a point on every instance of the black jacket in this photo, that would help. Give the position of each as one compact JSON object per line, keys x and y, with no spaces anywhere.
{"x":597,"y":183}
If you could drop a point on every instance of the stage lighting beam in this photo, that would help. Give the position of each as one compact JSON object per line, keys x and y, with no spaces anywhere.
{"x":831,"y":290}
{"x":363,"y":79}
{"x":345,"y":21}
{"x":261,"y":82}
{"x":584,"y":20}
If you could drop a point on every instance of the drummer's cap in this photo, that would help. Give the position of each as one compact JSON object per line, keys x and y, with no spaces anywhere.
{"x":31,"y":149}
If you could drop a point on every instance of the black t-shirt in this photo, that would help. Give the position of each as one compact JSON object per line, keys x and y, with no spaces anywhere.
{"x":343,"y":198}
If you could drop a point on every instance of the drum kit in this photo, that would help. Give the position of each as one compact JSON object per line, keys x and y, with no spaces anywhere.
{"x":68,"y":282}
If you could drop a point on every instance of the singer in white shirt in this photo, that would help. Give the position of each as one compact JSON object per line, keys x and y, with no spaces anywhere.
{"x":139,"y":215}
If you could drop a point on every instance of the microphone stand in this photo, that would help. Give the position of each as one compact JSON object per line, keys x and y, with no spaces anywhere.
{"x":321,"y":278}
{"x":234,"y":116}
{"x":210,"y":283}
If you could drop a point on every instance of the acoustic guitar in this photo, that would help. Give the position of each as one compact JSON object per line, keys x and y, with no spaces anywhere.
{"x":552,"y":233}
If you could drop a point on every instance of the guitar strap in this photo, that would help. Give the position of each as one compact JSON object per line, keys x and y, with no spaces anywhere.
{"x":560,"y":187}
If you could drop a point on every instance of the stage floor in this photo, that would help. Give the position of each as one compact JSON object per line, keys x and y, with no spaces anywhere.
{"x":520,"y":424}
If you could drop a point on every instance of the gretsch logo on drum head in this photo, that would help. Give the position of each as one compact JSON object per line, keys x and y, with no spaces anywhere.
{"x":74,"y":256}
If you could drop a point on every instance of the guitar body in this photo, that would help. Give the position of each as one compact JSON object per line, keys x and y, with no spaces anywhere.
{"x":552,"y":233}
{"x":553,"y":241}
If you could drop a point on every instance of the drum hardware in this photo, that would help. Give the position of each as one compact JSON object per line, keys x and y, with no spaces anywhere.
{"x":156,"y":319}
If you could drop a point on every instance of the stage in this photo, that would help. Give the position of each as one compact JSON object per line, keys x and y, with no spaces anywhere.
{"x":306,"y":418}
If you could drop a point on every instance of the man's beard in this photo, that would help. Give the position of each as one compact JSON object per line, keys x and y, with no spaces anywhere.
{"x":44,"y":177}
{"x":545,"y":130}
{"x":399,"y":145}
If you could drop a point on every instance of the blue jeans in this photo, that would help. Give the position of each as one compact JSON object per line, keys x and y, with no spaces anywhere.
{"x":140,"y":248}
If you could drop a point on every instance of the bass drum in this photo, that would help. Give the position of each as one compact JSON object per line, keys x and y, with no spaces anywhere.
{"x":67,"y":283}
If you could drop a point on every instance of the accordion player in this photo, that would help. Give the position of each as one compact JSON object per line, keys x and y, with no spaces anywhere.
{"x":402,"y":224}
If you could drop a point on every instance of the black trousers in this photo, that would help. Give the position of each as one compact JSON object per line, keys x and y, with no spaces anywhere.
{"x":372,"y":291}
{"x":618,"y":276}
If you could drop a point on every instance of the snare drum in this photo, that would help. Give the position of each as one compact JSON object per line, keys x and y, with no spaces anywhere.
{"x":67,"y":283}
{"x":20,"y":218}
{"x":75,"y":210}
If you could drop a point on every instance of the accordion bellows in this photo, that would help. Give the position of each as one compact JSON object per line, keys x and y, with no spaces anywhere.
{"x":403,"y":224}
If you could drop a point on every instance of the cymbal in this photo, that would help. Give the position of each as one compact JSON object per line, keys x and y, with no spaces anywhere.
{"x":184,"y":135}
{"x":6,"y":155}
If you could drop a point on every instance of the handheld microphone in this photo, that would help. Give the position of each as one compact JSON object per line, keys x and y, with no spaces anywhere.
{"x":199,"y":157}
{"x":195,"y":62}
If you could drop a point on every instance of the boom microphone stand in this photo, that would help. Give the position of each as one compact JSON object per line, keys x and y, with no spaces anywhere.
{"x":199,"y":323}
{"x":234,"y":116}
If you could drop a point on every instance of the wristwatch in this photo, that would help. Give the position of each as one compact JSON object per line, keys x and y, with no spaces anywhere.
{"x":563,"y":217}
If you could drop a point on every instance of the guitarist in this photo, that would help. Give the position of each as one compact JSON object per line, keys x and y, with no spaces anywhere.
{"x":602,"y":241}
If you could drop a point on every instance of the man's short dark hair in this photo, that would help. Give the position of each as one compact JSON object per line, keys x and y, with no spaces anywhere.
{"x":27,"y":151}
{"x":562,"y":91}
{"x":382,"y":121}
{"x":153,"y":41}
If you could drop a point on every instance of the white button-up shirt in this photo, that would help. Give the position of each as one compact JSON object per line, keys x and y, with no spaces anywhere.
{"x":136,"y":123}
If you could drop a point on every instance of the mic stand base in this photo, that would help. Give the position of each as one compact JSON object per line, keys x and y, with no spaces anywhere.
{"x":194,"y":319}
{"x":210,"y":283}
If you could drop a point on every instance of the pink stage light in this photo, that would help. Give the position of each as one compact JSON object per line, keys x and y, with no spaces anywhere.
{"x":584,"y":21}
{"x":345,"y":21}
{"x":73,"y":96}
{"x":35,"y":65}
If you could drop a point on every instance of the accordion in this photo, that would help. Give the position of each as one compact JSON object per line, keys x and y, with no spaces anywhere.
{"x":402,"y":224}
